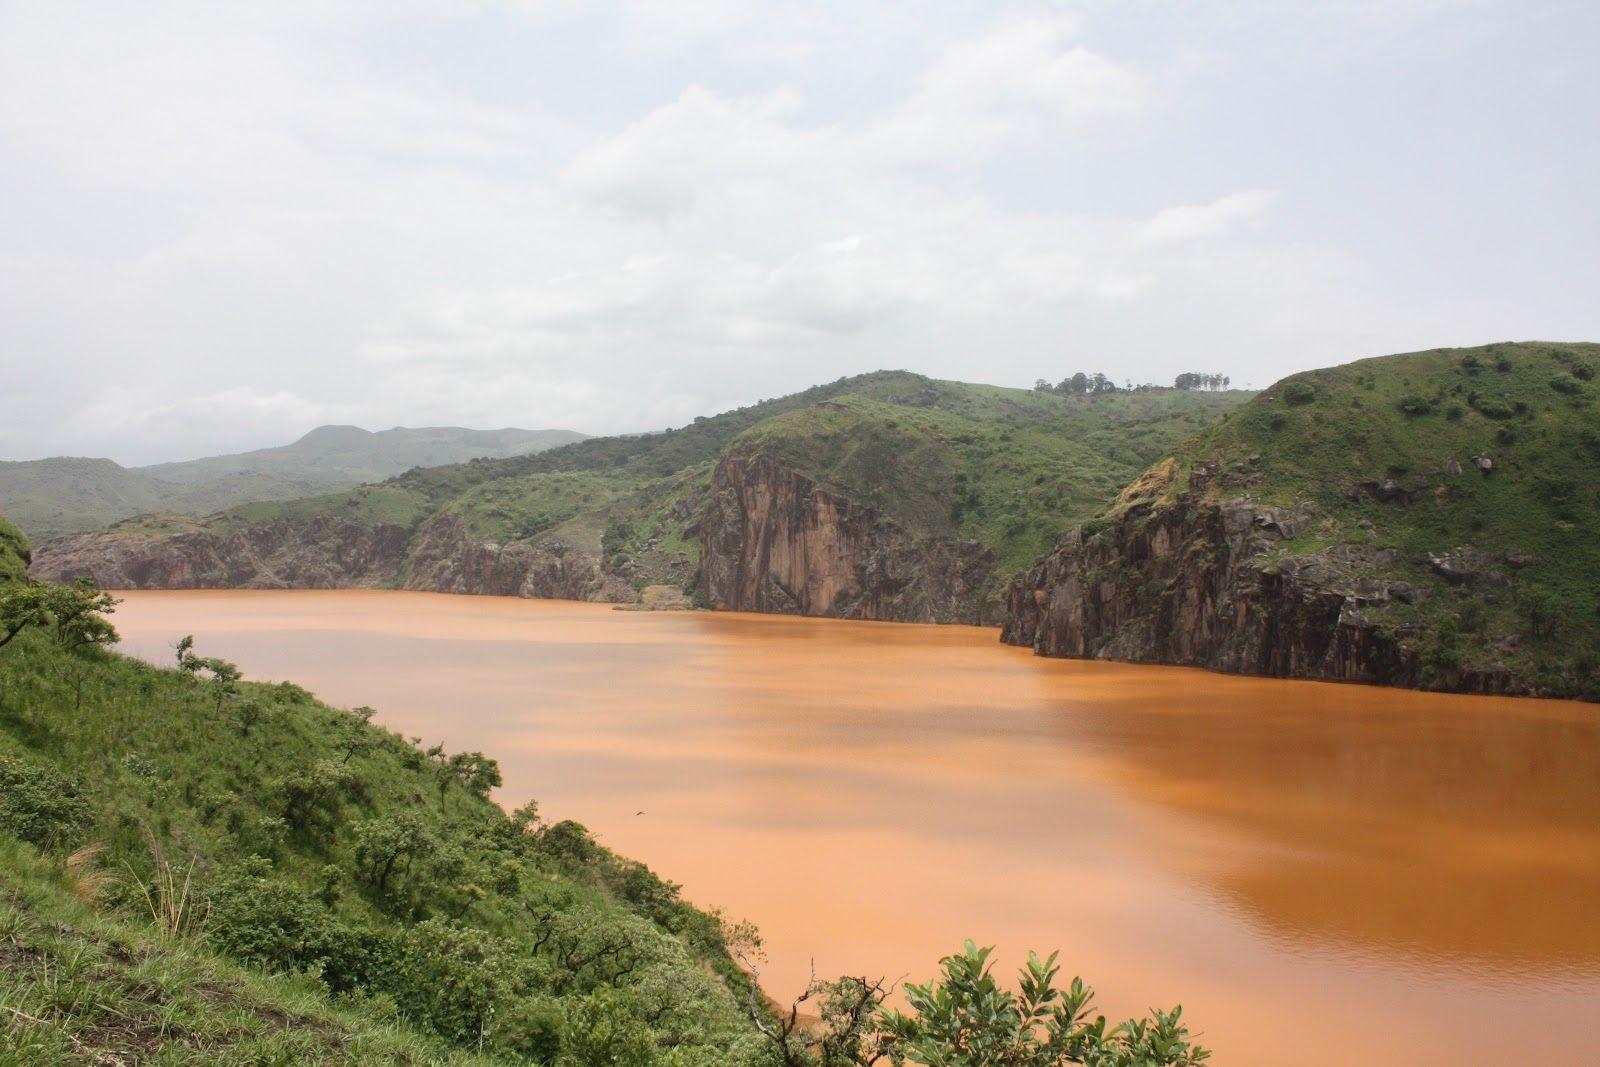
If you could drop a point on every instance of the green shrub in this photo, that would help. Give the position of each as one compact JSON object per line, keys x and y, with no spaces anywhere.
{"x":274,"y":923}
{"x":40,"y":804}
{"x":1415,"y":404}
{"x":448,"y":979}
{"x":1297,"y":393}
{"x":1491,"y":407}
{"x":1566,"y":385}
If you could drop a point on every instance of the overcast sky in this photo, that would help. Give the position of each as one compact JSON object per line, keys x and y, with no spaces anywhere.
{"x":222,"y":224}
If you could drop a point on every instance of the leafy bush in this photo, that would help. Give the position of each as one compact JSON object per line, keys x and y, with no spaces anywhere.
{"x":1566,"y":385}
{"x":40,"y":804}
{"x":274,"y":923}
{"x":1491,"y":407}
{"x":1415,"y":404}
{"x":968,"y":1019}
{"x":1297,"y":393}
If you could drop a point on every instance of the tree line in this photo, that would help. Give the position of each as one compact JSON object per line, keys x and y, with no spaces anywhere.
{"x":1082,"y":384}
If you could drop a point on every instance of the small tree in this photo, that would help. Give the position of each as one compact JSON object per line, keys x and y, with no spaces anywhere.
{"x":476,"y":773}
{"x":73,"y":614}
{"x":224,"y":675}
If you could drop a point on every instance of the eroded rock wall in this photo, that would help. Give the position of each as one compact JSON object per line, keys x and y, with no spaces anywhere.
{"x":1199,"y":583}
{"x":771,"y":540}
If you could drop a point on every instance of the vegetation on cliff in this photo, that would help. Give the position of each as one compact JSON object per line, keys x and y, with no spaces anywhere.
{"x":51,"y":497}
{"x":199,"y":869}
{"x":921,"y":463}
{"x":1422,"y":519}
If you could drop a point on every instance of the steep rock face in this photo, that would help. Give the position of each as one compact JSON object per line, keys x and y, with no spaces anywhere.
{"x":440,"y":555}
{"x":445,"y":557}
{"x":1197,"y":582}
{"x":317,"y":553}
{"x":772,"y":540}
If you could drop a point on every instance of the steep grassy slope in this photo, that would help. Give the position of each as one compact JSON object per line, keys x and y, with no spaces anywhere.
{"x":1422,"y":519}
{"x":931,"y":475}
{"x":51,"y":497}
{"x":14,"y":552}
{"x":219,"y":823}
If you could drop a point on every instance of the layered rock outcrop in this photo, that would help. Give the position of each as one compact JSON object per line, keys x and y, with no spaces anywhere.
{"x":314,"y":553}
{"x":440,"y":555}
{"x":1203,"y":583}
{"x":772,"y":540}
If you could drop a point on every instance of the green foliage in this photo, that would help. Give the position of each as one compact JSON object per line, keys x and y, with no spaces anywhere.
{"x":1299,"y":393}
{"x":275,"y":923}
{"x":15,"y":553}
{"x":40,"y":804}
{"x":969,"y":1020}
{"x":72,"y":614}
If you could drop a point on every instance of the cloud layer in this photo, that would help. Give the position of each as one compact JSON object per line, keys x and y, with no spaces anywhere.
{"x":219,"y":227}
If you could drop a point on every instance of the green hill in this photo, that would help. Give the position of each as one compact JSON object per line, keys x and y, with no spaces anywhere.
{"x":160,"y":828}
{"x":1421,"y":519}
{"x":60,"y":495}
{"x":938,"y":492}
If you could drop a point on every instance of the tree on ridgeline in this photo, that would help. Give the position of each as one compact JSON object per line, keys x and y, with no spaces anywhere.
{"x":1193,"y":380}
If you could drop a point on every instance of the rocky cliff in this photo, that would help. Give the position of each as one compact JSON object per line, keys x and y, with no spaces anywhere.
{"x":315,"y":552}
{"x":772,"y":540}
{"x":1202,"y":583}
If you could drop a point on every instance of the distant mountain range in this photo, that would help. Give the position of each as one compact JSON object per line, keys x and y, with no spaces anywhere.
{"x":66,"y":494}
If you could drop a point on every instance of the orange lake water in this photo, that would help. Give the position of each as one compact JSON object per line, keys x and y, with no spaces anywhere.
{"x":1322,"y":874}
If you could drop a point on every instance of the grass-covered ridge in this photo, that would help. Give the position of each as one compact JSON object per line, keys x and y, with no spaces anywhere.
{"x":251,"y":824}
{"x":1475,"y":466}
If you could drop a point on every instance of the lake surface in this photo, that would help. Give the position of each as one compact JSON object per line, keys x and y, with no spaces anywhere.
{"x":1321,"y":874}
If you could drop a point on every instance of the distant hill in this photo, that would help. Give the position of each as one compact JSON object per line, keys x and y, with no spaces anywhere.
{"x":1426,"y":519}
{"x":51,"y":497}
{"x":883,"y":496}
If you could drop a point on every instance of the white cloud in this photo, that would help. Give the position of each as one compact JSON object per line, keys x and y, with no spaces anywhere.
{"x":236,"y":222}
{"x":1022,"y":79}
{"x":1220,"y":218}
{"x":662,"y":164}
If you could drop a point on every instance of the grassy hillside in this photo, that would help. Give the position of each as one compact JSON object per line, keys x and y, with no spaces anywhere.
{"x":1006,"y":467}
{"x":1009,"y":467}
{"x":14,"y":552}
{"x":161,"y":829}
{"x":1386,"y":451}
{"x":51,"y":497}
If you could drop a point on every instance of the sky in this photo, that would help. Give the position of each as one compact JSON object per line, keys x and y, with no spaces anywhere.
{"x":222,"y":224}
